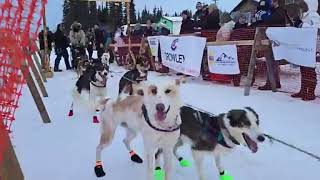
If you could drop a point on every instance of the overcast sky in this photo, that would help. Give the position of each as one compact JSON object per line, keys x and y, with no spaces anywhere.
{"x":54,"y":7}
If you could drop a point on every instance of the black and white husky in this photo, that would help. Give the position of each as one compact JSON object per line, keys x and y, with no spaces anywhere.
{"x":135,"y":76}
{"x":93,"y":82}
{"x":217,"y":135}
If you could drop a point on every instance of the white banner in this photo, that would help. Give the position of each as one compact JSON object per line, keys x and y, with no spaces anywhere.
{"x":223,"y":59}
{"x":183,"y":54}
{"x":154,"y":45}
{"x":296,"y":45}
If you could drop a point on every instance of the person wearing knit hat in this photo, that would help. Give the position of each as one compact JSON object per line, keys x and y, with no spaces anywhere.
{"x":187,"y":25}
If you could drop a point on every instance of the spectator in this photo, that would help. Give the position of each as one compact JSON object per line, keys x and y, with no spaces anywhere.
{"x":41,"y":42}
{"x":138,"y":31}
{"x":263,"y":12}
{"x":148,"y":30}
{"x":99,"y":40}
{"x":212,"y":20}
{"x":90,"y":41}
{"x":155,"y":30}
{"x":61,"y":44}
{"x":280,"y":18}
{"x":164,"y":30}
{"x":199,"y":15}
{"x":310,"y":18}
{"x":187,"y":24}
{"x":78,"y":41}
{"x":225,"y":31}
{"x":241,"y":21}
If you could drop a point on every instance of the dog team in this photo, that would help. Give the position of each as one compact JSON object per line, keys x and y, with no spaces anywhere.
{"x":157,"y":112}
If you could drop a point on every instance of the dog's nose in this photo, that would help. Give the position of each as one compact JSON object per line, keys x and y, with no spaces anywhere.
{"x":160,"y":107}
{"x":261,"y":138}
{"x":106,"y":73}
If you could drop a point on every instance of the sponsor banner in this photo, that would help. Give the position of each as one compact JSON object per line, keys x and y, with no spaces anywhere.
{"x":183,"y":54}
{"x":223,"y":59}
{"x":296,"y":45}
{"x":154,"y":45}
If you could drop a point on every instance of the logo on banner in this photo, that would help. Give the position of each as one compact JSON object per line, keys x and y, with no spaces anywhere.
{"x":174,"y":44}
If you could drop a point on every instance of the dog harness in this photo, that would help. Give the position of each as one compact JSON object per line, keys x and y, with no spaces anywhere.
{"x":216,"y":132}
{"x":146,"y":118}
{"x":220,"y":139}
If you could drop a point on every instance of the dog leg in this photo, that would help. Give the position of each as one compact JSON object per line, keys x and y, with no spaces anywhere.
{"x":71,"y":110}
{"x":168,"y":166}
{"x":130,"y":135}
{"x":150,"y":164}
{"x":182,"y":161}
{"x":217,"y":159}
{"x":105,"y":140}
{"x":157,"y":156}
{"x":92,"y":99}
{"x":158,"y":173}
{"x":198,"y":159}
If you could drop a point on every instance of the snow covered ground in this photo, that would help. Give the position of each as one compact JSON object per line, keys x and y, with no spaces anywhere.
{"x":65,"y":149}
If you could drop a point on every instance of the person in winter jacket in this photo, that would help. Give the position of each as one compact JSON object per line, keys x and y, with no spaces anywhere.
{"x":78,"y":40}
{"x":199,"y":15}
{"x":212,"y":20}
{"x":41,"y":42}
{"x":99,"y":40}
{"x":240,"y":19}
{"x":61,"y":44}
{"x":148,"y":31}
{"x":187,"y":25}
{"x":90,"y":38}
{"x":263,"y":11}
{"x":310,"y":19}
{"x":278,"y":18}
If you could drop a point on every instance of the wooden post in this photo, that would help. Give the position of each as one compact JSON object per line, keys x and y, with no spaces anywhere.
{"x":38,"y":77}
{"x":9,"y":166}
{"x":36,"y":60}
{"x":261,"y":44}
{"x":36,"y":96}
{"x":270,"y":68}
{"x":129,"y":33}
{"x":252,"y":64}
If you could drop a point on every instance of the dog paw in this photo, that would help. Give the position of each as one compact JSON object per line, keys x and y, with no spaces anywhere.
{"x":159,"y":174}
{"x":225,"y":176}
{"x":185,"y":163}
{"x":95,"y":120}
{"x":135,"y":158}
{"x":70,"y":113}
{"x":98,"y":169}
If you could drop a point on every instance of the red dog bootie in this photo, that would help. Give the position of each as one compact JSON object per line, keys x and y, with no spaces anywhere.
{"x":95,"y":120}
{"x":70,"y":113}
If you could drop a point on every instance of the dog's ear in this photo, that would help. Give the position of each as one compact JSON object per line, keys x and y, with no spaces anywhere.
{"x":236,"y":118}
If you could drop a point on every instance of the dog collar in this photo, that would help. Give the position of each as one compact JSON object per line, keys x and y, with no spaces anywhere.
{"x":103,"y":86}
{"x":220,"y":137}
{"x":146,"y":118}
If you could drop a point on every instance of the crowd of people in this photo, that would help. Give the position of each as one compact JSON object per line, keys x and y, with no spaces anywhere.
{"x":80,"y":42}
{"x":206,"y":17}
{"x":269,"y":13}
